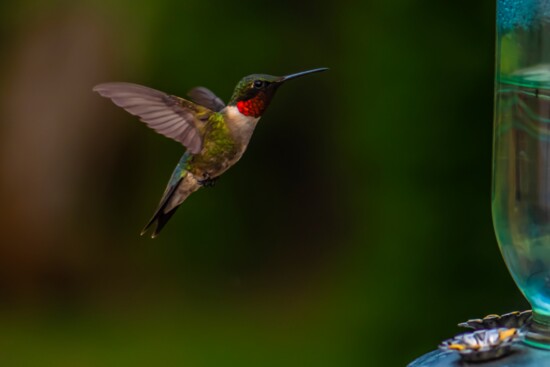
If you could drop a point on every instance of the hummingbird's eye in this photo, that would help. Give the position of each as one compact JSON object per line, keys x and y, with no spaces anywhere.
{"x":258,"y":84}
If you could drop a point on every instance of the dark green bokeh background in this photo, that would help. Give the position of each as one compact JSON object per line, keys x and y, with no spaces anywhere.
{"x":356,"y":231}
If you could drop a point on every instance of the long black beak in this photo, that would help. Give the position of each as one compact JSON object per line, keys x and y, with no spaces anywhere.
{"x":302,"y":73}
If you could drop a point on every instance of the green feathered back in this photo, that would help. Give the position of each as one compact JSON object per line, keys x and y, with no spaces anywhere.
{"x":218,"y":146}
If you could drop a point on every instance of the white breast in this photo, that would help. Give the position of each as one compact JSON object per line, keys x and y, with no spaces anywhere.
{"x":241,"y":126}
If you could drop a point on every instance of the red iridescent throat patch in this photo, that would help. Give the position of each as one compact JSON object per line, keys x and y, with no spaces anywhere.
{"x":252,"y":107}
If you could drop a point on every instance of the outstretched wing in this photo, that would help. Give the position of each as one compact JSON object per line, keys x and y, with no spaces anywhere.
{"x":171,"y":116}
{"x":206,"y":98}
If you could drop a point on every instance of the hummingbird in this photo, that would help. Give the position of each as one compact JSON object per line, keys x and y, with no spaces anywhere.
{"x":214,"y":135}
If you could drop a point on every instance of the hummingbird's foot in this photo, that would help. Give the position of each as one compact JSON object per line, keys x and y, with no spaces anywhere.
{"x":208,"y":181}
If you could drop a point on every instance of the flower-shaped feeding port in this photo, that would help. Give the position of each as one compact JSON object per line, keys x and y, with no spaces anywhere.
{"x":482,"y":345}
{"x":509,"y":320}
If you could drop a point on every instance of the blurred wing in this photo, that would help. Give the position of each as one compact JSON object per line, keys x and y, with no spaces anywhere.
{"x":171,"y":116}
{"x":206,"y":98}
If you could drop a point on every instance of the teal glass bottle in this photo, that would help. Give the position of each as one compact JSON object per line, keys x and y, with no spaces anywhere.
{"x":521,"y":154}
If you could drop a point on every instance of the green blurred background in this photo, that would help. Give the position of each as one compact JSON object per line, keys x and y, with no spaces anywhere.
{"x":356,"y":231}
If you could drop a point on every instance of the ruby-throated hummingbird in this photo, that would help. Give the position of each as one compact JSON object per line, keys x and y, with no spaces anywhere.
{"x":214,"y":134}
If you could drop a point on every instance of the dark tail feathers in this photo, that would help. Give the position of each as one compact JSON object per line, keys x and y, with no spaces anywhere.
{"x":161,"y":217}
